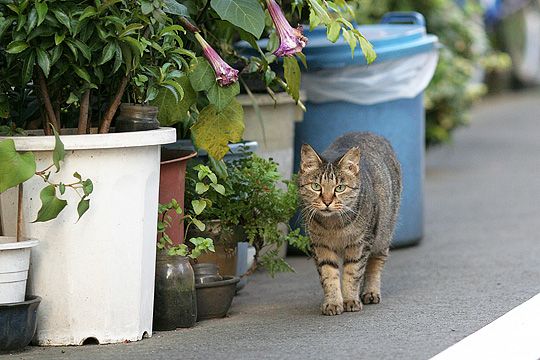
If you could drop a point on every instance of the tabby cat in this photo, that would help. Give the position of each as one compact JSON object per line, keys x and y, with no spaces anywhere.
{"x":350,"y":196}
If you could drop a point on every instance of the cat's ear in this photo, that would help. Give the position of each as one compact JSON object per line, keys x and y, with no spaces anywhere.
{"x":309,"y":159}
{"x":350,"y":162}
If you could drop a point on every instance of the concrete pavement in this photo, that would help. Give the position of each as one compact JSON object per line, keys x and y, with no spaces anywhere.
{"x":479,"y":259}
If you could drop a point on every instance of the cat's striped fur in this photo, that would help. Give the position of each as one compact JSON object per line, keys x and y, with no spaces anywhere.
{"x":350,"y":196}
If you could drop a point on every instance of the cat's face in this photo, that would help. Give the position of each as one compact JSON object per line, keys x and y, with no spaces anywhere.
{"x":328,"y":188}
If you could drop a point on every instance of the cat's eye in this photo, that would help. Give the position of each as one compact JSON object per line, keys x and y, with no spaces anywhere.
{"x":316,"y":186}
{"x":340,"y":188}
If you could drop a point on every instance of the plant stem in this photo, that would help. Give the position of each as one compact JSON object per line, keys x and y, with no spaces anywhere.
{"x":111,"y":110}
{"x":19,"y":213}
{"x":46,"y":99}
{"x":83,"y":113}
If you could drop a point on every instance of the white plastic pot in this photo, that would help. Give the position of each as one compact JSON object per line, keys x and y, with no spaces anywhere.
{"x":95,"y":275}
{"x":14,"y":264}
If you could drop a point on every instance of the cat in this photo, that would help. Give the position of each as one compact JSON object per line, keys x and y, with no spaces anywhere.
{"x":350,"y":197}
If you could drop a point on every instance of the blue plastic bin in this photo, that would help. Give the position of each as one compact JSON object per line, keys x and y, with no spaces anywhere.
{"x":400,"y":120}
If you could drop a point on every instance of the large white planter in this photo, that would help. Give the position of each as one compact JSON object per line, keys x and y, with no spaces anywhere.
{"x":96,"y":276}
{"x":14,"y":264}
{"x":274,"y":128}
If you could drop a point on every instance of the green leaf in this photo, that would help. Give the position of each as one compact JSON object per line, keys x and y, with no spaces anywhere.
{"x":221,"y":96}
{"x":214,"y":129}
{"x":28,"y":68}
{"x":199,"y":224}
{"x":82,"y":73}
{"x":62,"y":188}
{"x":16,"y":47}
{"x":58,"y":153}
{"x":51,"y":206}
{"x":171,"y":111}
{"x":219,"y":188}
{"x":202,"y":75}
{"x":43,"y":61}
{"x":108,"y":53}
{"x":62,"y":18}
{"x":246,"y":14}
{"x":292,"y":76}
{"x":198,"y":206}
{"x":16,"y":168}
{"x":201,"y":188}
{"x":333,"y":31}
{"x":175,"y":8}
{"x":77,"y":175}
{"x":89,"y":11}
{"x":59,"y":38}
{"x":82,"y":207}
{"x":367,"y":49}
{"x":41,"y":9}
{"x":88,"y":187}
{"x":32,"y":20}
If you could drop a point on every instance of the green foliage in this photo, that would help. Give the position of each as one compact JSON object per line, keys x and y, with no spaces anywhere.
{"x":17,"y":168}
{"x":248,"y":15}
{"x":206,"y":183}
{"x":258,"y":199}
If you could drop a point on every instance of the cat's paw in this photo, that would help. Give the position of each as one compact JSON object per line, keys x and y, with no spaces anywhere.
{"x":352,"y":305}
{"x":331,"y":308}
{"x":371,"y":298}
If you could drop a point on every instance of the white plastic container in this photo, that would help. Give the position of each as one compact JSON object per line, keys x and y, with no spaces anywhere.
{"x":14,"y":264}
{"x":95,"y":275}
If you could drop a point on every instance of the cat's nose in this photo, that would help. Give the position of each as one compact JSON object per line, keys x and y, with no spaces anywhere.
{"x":327,"y":202}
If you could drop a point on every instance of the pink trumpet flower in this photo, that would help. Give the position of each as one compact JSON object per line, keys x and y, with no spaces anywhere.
{"x":225,"y":74}
{"x":291,"y":40}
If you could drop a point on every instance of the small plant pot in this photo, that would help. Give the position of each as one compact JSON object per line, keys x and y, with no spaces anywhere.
{"x":175,"y":305}
{"x":135,"y":117}
{"x":18,"y":323}
{"x":206,"y":272}
{"x":214,"y":299}
{"x":14,"y":265}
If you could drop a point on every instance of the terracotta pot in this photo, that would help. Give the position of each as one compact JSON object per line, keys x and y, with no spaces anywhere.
{"x":172,"y":181}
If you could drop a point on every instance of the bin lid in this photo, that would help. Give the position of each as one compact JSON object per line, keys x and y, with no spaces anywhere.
{"x":390,"y":41}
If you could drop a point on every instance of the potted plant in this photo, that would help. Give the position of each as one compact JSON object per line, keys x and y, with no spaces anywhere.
{"x":175,"y":303}
{"x":18,"y":313}
{"x":258,"y":200}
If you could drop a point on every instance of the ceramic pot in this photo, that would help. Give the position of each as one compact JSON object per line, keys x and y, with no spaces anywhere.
{"x":18,"y":323}
{"x":175,"y":305}
{"x":206,"y":272}
{"x":214,"y":299}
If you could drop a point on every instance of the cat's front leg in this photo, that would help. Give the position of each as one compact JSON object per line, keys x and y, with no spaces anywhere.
{"x":328,"y":267}
{"x":354,"y":264}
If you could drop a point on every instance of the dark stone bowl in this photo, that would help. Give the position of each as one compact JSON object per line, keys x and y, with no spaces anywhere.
{"x":214,"y":298}
{"x":18,"y":323}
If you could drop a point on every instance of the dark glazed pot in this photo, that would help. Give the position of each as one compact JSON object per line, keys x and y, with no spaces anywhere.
{"x":135,"y":117}
{"x":18,"y":323}
{"x":175,"y":305}
{"x":214,"y":298}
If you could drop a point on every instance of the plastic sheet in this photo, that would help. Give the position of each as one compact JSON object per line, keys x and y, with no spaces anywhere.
{"x":372,"y":84}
